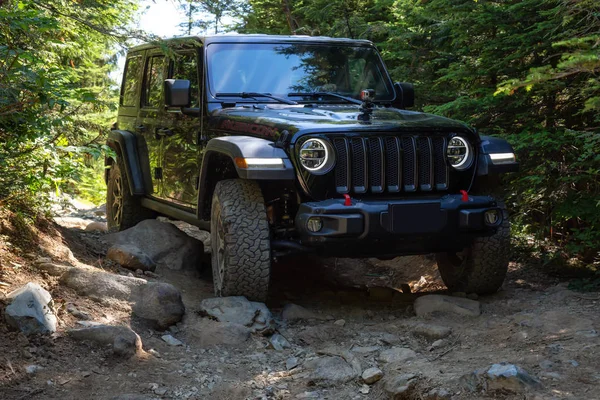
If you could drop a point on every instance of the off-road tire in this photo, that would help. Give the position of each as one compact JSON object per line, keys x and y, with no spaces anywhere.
{"x":480,"y":268}
{"x":131,"y":212}
{"x":240,"y":243}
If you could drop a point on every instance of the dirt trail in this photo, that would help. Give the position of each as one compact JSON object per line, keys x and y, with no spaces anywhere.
{"x":534,"y":322}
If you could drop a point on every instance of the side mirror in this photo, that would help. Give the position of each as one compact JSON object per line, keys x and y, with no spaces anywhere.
{"x":177,"y":92}
{"x":405,"y":95}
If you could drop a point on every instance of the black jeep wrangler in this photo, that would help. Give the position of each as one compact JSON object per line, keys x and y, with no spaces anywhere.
{"x":288,"y":144}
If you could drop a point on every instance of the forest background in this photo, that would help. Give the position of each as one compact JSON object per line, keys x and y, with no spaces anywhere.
{"x":525,"y":70}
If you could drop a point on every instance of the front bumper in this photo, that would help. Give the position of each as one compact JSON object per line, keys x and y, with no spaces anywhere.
{"x":396,"y":226}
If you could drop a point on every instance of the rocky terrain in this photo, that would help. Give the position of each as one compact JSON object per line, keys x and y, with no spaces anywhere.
{"x":90,"y":315}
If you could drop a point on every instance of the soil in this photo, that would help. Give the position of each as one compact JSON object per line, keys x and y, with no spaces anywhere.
{"x":534,"y":322}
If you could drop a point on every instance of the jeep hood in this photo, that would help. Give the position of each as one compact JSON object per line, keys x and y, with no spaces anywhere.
{"x":269,"y":121}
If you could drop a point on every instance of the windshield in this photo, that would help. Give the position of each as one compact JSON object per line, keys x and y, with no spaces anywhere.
{"x":282,"y":69}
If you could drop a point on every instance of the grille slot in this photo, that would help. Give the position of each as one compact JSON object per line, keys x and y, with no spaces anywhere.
{"x":376,"y":163}
{"x":359,"y":165}
{"x":342,"y":184}
{"x":391,"y":164}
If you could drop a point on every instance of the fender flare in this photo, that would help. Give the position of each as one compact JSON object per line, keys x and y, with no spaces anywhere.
{"x":243,"y":147}
{"x":493,"y":145}
{"x":126,"y":144}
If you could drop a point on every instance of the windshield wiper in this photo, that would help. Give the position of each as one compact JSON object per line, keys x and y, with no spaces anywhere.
{"x":245,"y":95}
{"x":331,"y":94}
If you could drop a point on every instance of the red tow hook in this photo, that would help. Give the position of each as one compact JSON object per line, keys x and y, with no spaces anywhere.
{"x":465,"y":195}
{"x":347,"y":200}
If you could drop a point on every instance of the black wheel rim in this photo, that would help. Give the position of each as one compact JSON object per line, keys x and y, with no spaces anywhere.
{"x":117,"y":201}
{"x":220,"y":253}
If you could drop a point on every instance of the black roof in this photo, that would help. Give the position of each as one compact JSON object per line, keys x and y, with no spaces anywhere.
{"x":259,"y":38}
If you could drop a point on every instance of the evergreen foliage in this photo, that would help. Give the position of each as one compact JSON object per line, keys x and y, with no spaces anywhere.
{"x":56,"y":99}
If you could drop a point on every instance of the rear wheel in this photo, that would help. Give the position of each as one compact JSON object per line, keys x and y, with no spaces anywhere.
{"x":240,"y":244}
{"x":480,"y":268}
{"x":123,"y":210}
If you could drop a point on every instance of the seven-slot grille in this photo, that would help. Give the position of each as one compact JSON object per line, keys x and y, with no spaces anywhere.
{"x":392,"y":164}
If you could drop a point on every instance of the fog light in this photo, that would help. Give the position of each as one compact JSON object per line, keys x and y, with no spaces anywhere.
{"x":314,"y":224}
{"x":492,"y":217}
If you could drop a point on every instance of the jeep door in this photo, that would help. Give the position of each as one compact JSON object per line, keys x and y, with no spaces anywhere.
{"x":151,"y":115}
{"x":182,"y":153}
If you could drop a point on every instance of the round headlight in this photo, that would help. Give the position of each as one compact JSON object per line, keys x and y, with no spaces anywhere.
{"x":316,"y":156}
{"x":460,"y":154}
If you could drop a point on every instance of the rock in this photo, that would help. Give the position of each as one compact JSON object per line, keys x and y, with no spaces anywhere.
{"x":125,"y":341}
{"x":431,"y":332}
{"x":364,"y":389}
{"x":30,"y":310}
{"x":96,"y":227}
{"x":159,"y":303}
{"x":151,"y":274}
{"x":552,"y":375}
{"x":397,"y":354}
{"x":438,"y":344}
{"x":71,"y":309}
{"x":134,"y":397}
{"x":154,"y":353}
{"x":291,"y":363}
{"x":171,"y":341}
{"x":294,"y":312}
{"x":434,"y":303}
{"x":546,"y":364}
{"x":372,"y":375}
{"x":72,"y":222}
{"x":365,"y":349}
{"x":130,"y":257}
{"x":53,"y":269}
{"x":163,"y":243}
{"x":32,"y":369}
{"x":502,"y":377}
{"x":100,"y":284}
{"x":330,"y":371}
{"x":573,"y":363}
{"x":400,"y":386}
{"x":278,"y":342}
{"x":239,"y":310}
{"x":340,"y":322}
{"x":207,"y":332}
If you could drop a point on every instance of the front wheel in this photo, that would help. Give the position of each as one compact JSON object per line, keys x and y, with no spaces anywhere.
{"x":240,"y":244}
{"x":480,"y":268}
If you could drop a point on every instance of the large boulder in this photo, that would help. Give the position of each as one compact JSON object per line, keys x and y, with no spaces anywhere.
{"x":125,"y":342}
{"x":163,"y":243}
{"x":159,"y":303}
{"x":437,"y":303}
{"x":100,"y":284}
{"x":238,"y":310}
{"x":400,"y":386}
{"x":130,"y":257}
{"x":330,"y":371}
{"x":30,"y":310}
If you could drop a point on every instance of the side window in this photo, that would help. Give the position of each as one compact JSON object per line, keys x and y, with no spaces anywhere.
{"x":131,"y":81}
{"x":185,"y":66}
{"x":153,"y":82}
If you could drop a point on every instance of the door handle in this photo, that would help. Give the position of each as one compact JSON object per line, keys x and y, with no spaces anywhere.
{"x":164,"y":132}
{"x":140,"y":128}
